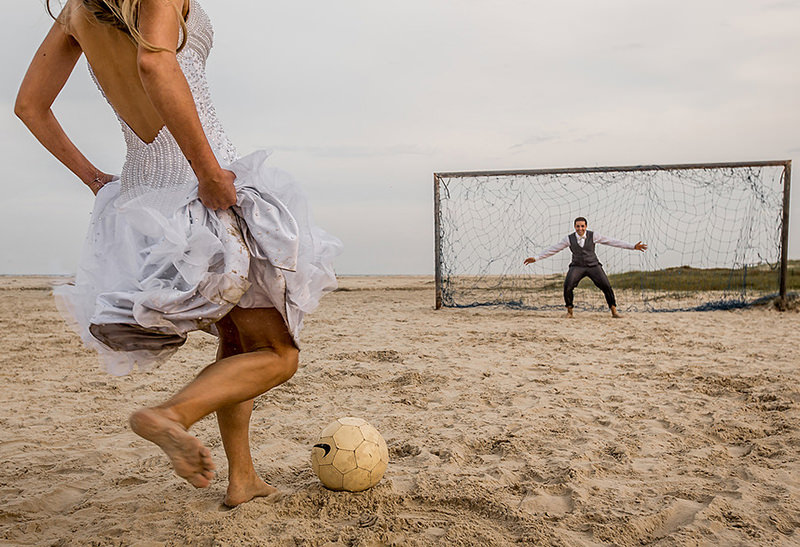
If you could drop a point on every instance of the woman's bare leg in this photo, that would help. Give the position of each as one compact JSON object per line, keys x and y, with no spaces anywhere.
{"x":244,"y":483}
{"x":270,"y":359}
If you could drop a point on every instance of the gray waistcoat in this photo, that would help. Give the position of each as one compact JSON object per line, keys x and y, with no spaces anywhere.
{"x":583,"y":256}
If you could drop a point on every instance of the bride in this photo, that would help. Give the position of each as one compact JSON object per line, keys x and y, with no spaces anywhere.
{"x":189,"y":236}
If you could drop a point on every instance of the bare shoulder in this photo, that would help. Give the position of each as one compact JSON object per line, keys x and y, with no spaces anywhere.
{"x":75,"y":17}
{"x":160,"y":20}
{"x":182,"y":6}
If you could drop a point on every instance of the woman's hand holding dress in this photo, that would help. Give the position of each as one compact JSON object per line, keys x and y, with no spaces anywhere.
{"x":98,"y":182}
{"x":218,"y":192}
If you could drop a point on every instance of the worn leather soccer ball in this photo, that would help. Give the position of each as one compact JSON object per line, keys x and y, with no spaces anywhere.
{"x":350,"y":455}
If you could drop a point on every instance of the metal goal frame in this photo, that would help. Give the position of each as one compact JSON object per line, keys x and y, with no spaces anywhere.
{"x":784,"y":236}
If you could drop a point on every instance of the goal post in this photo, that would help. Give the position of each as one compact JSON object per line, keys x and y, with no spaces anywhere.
{"x":787,"y":183}
{"x":717,"y":234}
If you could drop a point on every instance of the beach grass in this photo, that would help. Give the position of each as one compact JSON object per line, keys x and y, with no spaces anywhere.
{"x":686,"y":278}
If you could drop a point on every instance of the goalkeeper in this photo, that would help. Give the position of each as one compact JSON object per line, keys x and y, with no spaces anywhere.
{"x":585,"y":263}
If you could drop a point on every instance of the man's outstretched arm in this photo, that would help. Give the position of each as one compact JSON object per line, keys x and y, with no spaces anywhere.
{"x":550,"y":251}
{"x":639,"y":246}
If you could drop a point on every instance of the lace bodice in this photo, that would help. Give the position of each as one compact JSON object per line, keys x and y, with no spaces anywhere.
{"x":160,"y":164}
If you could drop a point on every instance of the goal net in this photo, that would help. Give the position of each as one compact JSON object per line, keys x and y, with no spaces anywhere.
{"x":715,"y":234}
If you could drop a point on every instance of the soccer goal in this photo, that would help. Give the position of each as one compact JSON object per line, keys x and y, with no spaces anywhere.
{"x":717,"y":235}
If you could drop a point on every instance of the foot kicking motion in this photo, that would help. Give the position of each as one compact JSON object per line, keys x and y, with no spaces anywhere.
{"x":585,"y":262}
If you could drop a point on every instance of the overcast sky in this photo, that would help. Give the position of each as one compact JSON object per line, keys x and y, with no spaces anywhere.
{"x":363,"y":100}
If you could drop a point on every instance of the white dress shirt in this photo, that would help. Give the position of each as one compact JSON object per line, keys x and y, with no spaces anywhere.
{"x":603,"y":240}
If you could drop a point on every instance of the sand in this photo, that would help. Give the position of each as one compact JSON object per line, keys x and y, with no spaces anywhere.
{"x":504,"y":427}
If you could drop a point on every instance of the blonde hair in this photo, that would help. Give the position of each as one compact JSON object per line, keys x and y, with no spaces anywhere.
{"x":124,"y":15}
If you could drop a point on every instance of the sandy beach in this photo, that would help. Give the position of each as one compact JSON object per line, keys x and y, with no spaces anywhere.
{"x":504,"y":427}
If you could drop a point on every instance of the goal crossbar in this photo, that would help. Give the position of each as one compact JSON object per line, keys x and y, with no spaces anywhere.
{"x":612,"y":169}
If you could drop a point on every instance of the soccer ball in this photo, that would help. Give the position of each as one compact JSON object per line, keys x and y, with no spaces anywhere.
{"x":350,"y":455}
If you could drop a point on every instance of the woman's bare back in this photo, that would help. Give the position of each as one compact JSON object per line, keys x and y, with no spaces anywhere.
{"x":112,"y":56}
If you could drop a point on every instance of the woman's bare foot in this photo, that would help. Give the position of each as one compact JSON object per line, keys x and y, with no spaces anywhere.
{"x":614,"y":313}
{"x":243,"y":490}
{"x":569,"y":313}
{"x":190,"y":459}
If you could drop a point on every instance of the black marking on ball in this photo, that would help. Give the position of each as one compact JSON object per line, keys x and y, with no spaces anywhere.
{"x":324,"y":446}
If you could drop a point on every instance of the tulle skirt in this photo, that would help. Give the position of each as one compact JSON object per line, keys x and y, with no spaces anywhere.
{"x":158,"y":266}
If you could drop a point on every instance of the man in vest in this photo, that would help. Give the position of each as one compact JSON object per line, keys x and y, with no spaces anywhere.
{"x":585,"y":263}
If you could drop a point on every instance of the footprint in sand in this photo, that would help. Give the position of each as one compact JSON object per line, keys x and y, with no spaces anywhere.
{"x":556,"y":505}
{"x":58,"y":500}
{"x":681,"y":513}
{"x":130,"y":481}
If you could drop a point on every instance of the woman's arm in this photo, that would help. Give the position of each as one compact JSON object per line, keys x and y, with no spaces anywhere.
{"x":46,"y":76}
{"x":169,"y":92}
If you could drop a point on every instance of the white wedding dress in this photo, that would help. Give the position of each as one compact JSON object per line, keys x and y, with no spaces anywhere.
{"x":157,"y":263}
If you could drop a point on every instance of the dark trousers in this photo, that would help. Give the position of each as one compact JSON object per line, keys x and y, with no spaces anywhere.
{"x":596,"y":274}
